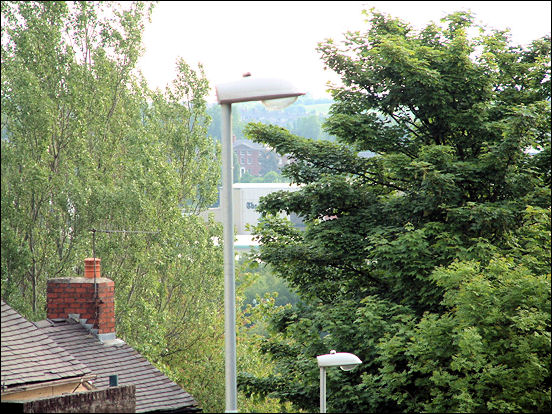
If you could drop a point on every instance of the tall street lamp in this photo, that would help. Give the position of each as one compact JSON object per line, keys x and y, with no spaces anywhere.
{"x":344,"y":360}
{"x":275,"y":94}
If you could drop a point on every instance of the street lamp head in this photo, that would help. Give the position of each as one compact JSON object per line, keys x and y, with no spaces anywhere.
{"x":279,"y":103}
{"x":344,"y":360}
{"x":273,"y":92}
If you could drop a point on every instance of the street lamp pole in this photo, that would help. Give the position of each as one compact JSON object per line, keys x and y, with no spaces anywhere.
{"x":229,"y":280}
{"x":344,"y":360}
{"x":322,"y":389}
{"x":277,"y":93}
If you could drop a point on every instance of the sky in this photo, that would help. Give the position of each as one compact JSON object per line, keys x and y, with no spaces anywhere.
{"x":279,"y":38}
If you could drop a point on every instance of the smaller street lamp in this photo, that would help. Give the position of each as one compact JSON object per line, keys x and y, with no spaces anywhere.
{"x":344,"y":360}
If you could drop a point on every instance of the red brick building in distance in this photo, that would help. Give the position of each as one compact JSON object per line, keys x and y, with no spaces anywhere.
{"x":249,"y":154}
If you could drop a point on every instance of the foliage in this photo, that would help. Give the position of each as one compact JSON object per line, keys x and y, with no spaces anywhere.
{"x":259,"y":280}
{"x":311,"y":126}
{"x":86,"y":145}
{"x":199,"y":363}
{"x":418,"y":259}
{"x":215,"y":127}
{"x":269,"y":177}
{"x":489,"y":351}
{"x":63,"y":113}
{"x":250,"y":330}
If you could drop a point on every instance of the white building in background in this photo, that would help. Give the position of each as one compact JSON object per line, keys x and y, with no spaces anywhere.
{"x":246,"y":199}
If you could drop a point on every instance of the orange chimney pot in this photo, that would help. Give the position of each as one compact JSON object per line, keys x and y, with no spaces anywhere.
{"x":89,"y":267}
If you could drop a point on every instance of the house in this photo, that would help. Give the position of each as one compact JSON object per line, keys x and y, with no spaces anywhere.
{"x":76,"y":346}
{"x":40,"y":376}
{"x":249,"y":155}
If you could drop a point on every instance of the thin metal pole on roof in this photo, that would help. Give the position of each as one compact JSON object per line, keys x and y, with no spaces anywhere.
{"x":94,"y":258}
{"x":93,"y":230}
{"x":126,"y":231}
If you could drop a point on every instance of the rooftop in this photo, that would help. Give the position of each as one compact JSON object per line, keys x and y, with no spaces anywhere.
{"x":55,"y":350}
{"x":154,"y":391}
{"x":30,"y":356}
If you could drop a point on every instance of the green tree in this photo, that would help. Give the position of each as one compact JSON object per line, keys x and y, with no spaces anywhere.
{"x":214,"y":113}
{"x":490,"y":351}
{"x":261,"y":280}
{"x":269,"y":162}
{"x":87,"y":145}
{"x":179,"y":118}
{"x":430,"y":242}
{"x":65,"y":109}
{"x":308,"y":127}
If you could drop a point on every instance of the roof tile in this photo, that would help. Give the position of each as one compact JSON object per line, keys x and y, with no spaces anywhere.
{"x":154,"y":391}
{"x":28,"y":355}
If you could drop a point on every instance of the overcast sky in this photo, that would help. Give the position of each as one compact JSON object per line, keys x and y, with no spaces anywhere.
{"x":270,"y":38}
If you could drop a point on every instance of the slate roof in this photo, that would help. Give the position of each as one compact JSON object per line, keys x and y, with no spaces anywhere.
{"x":29,"y":356}
{"x":249,"y":144}
{"x":154,"y":391}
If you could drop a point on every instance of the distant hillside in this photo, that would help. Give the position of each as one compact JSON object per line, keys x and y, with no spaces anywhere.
{"x":321,"y":108}
{"x":305,"y":105}
{"x":305,"y":117}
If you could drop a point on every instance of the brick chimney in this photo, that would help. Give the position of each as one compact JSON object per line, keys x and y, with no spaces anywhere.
{"x":89,"y":299}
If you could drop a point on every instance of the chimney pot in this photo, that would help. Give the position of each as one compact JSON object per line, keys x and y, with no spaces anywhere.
{"x":89,"y":267}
